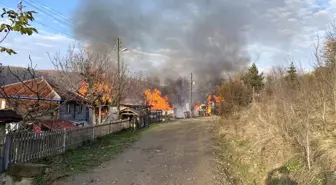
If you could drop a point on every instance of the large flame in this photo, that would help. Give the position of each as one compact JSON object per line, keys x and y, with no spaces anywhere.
{"x":215,"y":99}
{"x":99,"y":88}
{"x":157,"y":101}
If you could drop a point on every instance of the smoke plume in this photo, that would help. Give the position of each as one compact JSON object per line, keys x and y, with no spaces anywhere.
{"x":170,"y":38}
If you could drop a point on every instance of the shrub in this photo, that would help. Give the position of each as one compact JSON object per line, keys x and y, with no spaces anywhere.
{"x":236,"y":95}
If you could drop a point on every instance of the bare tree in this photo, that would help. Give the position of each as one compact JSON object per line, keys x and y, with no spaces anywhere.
{"x":31,"y":96}
{"x":93,"y":74}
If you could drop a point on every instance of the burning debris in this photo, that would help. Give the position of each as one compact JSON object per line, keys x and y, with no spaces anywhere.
{"x":156,"y":100}
{"x":213,"y":100}
{"x":200,"y":109}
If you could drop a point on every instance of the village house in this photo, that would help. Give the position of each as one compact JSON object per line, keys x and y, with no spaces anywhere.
{"x":45,"y":102}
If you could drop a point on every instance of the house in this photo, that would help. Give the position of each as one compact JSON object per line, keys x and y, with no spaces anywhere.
{"x":44,"y":100}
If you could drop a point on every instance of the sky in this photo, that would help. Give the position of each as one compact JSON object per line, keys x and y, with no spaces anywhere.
{"x":281,"y":31}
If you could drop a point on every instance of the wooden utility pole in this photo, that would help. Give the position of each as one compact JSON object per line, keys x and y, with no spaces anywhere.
{"x":119,"y":78}
{"x":191,"y":89}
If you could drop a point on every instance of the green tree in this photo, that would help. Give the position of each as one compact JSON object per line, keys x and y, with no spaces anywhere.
{"x":18,"y":22}
{"x":253,"y":78}
{"x":291,"y":77}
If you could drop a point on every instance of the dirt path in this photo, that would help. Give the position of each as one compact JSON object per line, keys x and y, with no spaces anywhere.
{"x":174,"y":153}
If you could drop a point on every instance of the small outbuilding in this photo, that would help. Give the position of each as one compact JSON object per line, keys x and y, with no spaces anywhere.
{"x":6,"y":116}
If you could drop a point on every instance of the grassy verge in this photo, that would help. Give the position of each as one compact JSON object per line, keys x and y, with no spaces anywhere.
{"x":234,"y":163}
{"x":246,"y":161}
{"x":90,"y":155}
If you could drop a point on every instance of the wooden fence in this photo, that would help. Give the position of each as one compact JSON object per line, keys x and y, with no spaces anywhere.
{"x":156,"y":116}
{"x":21,"y":147}
{"x":27,"y":146}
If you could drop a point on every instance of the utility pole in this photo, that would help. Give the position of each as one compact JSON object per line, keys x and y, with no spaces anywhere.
{"x":119,"y":78}
{"x":191,"y":89}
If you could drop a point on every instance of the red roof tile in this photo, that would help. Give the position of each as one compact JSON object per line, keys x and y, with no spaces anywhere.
{"x":40,"y":88}
{"x":37,"y":88}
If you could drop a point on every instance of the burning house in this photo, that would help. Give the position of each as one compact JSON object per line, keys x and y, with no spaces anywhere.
{"x":157,"y":102}
{"x":205,"y":46}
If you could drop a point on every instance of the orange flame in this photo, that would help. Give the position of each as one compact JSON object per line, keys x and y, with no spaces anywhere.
{"x":214,"y":98}
{"x":218,"y":99}
{"x":157,"y":101}
{"x":98,"y":88}
{"x":209,"y":104}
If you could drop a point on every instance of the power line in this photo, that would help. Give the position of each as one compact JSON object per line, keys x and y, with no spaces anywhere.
{"x":45,"y":12}
{"x":55,"y":29}
{"x":53,"y":10}
{"x":60,"y":18}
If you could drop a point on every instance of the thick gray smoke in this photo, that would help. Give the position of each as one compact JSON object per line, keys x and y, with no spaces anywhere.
{"x":205,"y":37}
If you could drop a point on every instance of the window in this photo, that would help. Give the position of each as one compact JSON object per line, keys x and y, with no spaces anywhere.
{"x":79,"y":108}
{"x":68,"y":108}
{"x":3,"y":104}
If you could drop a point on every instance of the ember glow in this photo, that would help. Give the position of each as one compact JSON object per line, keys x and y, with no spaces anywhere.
{"x":197,"y":106}
{"x":156,"y":100}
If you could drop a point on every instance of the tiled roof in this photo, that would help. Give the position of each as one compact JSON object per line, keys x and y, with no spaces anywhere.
{"x":40,"y":88}
{"x":37,"y":88}
{"x":66,"y":94}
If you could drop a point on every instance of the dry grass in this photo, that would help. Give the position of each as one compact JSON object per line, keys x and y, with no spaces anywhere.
{"x":286,"y":123}
{"x":251,"y":149}
{"x":289,"y":134}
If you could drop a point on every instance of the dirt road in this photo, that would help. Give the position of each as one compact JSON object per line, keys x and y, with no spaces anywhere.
{"x":179,"y":152}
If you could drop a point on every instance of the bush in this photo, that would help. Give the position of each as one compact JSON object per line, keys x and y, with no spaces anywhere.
{"x":291,"y":126}
{"x":236,"y":95}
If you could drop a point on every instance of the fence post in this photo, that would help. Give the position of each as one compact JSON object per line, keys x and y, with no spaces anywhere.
{"x":6,"y":158}
{"x":152,"y":117}
{"x":64,"y":139}
{"x":129,"y":123}
{"x":93,"y":134}
{"x":157,"y":116}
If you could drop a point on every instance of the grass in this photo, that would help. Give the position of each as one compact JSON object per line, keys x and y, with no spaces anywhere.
{"x":245,"y":162}
{"x":235,"y":166}
{"x":91,"y":154}
{"x":294,"y":164}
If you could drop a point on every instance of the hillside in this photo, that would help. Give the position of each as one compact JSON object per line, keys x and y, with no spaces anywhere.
{"x":12,"y":74}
